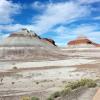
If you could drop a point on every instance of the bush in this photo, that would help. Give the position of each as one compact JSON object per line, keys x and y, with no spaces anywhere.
{"x":25,"y":98}
{"x":73,"y":85}
{"x":91,"y":84}
{"x":56,"y":94}
{"x":37,"y":83}
{"x":34,"y":98}
{"x":15,"y":68}
{"x":66,"y":91}
{"x":50,"y":98}
{"x":83,"y":82}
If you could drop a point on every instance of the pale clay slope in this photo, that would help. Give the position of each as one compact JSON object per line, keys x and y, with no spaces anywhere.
{"x":62,"y":63}
{"x":24,"y":38}
{"x":50,"y":80}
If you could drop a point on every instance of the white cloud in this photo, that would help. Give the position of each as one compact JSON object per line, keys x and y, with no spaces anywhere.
{"x":38,"y":5}
{"x":7,"y":10}
{"x":91,"y":31}
{"x":59,"y":13}
{"x":2,"y":36}
{"x":97,"y":18}
{"x":51,"y":1}
{"x":95,"y":36}
{"x":85,"y":29}
{"x":88,"y":1}
{"x":54,"y":14}
{"x":14,"y":27}
{"x":61,"y":30}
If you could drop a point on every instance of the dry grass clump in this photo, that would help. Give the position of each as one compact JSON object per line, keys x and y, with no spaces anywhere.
{"x":66,"y":91}
{"x":83,"y":82}
{"x":54,"y":95}
{"x":25,"y":98}
{"x":30,"y":98}
{"x":50,"y":98}
{"x":34,"y":98}
{"x":89,"y":83}
{"x":14,"y":68}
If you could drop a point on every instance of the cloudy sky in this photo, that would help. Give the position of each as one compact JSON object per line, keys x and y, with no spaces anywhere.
{"x":61,"y":20}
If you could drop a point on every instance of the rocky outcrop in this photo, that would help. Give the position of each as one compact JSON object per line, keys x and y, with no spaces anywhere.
{"x":26,"y":38}
{"x":26,"y":45}
{"x":49,"y":41}
{"x":82,"y":41}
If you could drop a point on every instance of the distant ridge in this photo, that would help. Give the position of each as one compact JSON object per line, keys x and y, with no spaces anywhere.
{"x":26,"y":45}
{"x":26,"y":38}
{"x":82,"y":41}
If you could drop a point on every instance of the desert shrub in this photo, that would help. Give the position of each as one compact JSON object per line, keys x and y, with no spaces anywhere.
{"x":25,"y":98}
{"x":88,"y":82}
{"x":83,"y":82}
{"x":12,"y":83}
{"x":72,"y":85}
{"x":50,"y":98}
{"x":54,"y":95}
{"x":66,"y":91}
{"x":37,"y":83}
{"x":15,"y":68}
{"x":91,"y":84}
{"x":34,"y":98}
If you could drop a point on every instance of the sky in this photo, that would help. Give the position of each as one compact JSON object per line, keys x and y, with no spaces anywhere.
{"x":61,"y":20}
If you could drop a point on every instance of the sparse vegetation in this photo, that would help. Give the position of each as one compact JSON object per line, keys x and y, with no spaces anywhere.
{"x":15,"y":68}
{"x":1,"y":80}
{"x":12,"y":83}
{"x":91,"y":84}
{"x":37,"y":83}
{"x":56,"y":94}
{"x":66,"y":91}
{"x":30,"y":98}
{"x":73,"y":85}
{"x":25,"y":98}
{"x":50,"y":98}
{"x":83,"y":82}
{"x":34,"y":98}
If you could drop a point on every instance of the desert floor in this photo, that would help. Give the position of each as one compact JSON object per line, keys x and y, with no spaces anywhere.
{"x":42,"y":78}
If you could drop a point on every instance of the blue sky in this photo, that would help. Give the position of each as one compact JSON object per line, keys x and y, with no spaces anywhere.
{"x":61,"y":20}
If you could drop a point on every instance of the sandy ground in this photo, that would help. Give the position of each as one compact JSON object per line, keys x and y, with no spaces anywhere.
{"x":68,"y":62}
{"x":41,"y":78}
{"x":42,"y":83}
